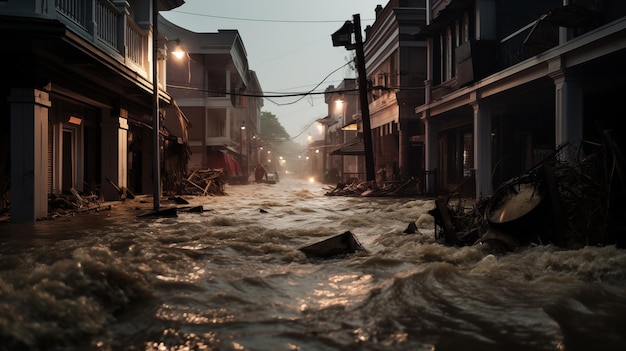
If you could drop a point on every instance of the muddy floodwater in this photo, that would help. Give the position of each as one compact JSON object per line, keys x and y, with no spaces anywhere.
{"x":232,"y":278}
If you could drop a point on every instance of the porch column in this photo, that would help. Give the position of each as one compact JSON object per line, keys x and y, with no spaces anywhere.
{"x":406,"y":110}
{"x":568,"y":112}
{"x":29,"y":153}
{"x":114,"y":152}
{"x":431,"y":152}
{"x":147,"y":159}
{"x":482,"y":149}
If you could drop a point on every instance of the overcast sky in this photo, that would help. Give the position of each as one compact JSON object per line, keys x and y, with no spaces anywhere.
{"x":288,"y":45}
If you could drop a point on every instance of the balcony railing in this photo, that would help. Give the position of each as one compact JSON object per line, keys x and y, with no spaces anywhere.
{"x":515,"y":48}
{"x":539,"y":36}
{"x":107,"y":25}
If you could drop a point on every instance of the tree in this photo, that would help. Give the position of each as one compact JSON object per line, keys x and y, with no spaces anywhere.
{"x":271,"y":129}
{"x":284,"y":151}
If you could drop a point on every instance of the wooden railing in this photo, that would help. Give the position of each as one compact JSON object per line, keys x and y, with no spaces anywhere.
{"x":108,"y":27}
{"x":76,"y":10}
{"x":512,"y":49}
{"x":137,"y":44}
{"x":108,"y":20}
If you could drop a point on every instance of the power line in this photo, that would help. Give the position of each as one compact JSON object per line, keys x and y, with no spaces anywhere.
{"x":268,"y":96}
{"x":259,"y":95}
{"x":310,"y":91}
{"x":261,"y":20}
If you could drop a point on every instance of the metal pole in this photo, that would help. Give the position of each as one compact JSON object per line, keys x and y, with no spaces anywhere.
{"x":156,"y":167}
{"x":365,"y":110}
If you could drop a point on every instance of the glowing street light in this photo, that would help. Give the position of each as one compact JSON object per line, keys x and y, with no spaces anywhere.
{"x":178,"y":51}
{"x":156,"y":118}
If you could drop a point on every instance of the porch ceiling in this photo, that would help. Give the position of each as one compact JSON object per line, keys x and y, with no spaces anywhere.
{"x":46,"y":52}
{"x":351,"y":148}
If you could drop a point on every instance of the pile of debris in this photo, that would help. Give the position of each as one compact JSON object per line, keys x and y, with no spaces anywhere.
{"x":204,"y":182}
{"x":64,"y":205}
{"x":569,"y":202}
{"x":410,"y":187}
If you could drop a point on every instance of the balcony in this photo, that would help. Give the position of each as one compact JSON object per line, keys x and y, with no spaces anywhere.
{"x":543,"y":33}
{"x":109,"y":26}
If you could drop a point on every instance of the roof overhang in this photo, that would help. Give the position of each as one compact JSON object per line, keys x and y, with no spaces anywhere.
{"x":351,"y":148}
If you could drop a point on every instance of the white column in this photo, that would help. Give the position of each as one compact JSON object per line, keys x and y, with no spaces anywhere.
{"x":29,"y":154}
{"x":482,"y":149}
{"x":568,"y":112}
{"x":114,"y":153}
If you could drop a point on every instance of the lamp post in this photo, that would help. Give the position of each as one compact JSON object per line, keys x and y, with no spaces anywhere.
{"x":156,"y":166}
{"x":156,"y":118}
{"x":244,"y":169}
{"x":343,"y":37}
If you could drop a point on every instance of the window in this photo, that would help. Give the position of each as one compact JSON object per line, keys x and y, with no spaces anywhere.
{"x":216,"y":123}
{"x":465,"y":28}
{"x":448,"y":53}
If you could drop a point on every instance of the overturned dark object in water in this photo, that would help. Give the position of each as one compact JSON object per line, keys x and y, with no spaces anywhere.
{"x":168,"y":212}
{"x":564,"y":201}
{"x":411,"y":229}
{"x":340,"y":244}
{"x":519,"y":209}
{"x":173,"y":211}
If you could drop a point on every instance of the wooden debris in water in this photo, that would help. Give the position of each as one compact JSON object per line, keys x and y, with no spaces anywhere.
{"x":167,"y":212}
{"x":123,"y":191}
{"x":65,"y":205}
{"x":204,"y":182}
{"x":409,"y":187}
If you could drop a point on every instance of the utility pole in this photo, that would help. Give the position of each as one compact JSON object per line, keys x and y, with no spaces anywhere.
{"x":343,"y":37}
{"x":365,"y":109}
{"x":156,"y":138}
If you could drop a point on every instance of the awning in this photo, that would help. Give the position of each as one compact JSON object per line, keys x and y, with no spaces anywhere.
{"x":351,"y":148}
{"x":221,"y":159}
{"x":350,"y":126}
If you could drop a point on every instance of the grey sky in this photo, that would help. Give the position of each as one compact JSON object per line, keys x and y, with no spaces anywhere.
{"x":288,"y":45}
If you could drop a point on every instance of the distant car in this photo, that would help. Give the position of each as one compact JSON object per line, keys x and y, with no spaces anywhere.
{"x":272,"y":177}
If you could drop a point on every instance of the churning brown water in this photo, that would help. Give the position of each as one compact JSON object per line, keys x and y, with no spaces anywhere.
{"x":232,"y":278}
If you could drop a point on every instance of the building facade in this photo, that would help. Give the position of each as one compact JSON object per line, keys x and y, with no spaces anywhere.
{"x":219,"y":96}
{"x":395,"y":61}
{"x":78,"y":97}
{"x":511,"y":81}
{"x":344,"y":142}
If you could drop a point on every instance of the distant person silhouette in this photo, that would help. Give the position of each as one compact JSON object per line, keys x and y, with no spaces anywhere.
{"x":259,"y":173}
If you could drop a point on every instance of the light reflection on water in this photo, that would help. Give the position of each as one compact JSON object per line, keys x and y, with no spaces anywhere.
{"x":232,"y":278}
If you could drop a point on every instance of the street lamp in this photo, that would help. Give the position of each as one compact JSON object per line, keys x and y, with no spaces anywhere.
{"x":179,"y":53}
{"x":156,"y":167}
{"x":244,"y":169}
{"x":343,"y":37}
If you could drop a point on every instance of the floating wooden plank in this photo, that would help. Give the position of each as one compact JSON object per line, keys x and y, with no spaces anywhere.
{"x":123,"y":191}
{"x":206,"y":188}
{"x":191,"y":175}
{"x":85,"y":201}
{"x":168,"y":212}
{"x":195,"y":185}
{"x":193,"y":209}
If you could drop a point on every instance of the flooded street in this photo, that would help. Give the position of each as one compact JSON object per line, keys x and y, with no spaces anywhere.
{"x":232,"y":278}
